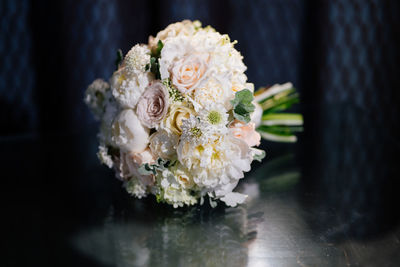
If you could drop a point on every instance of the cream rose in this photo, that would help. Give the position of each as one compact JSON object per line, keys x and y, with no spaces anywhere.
{"x":246,"y":132}
{"x":128,"y":133}
{"x":187,"y":72}
{"x":153,"y":104}
{"x":173,"y":122}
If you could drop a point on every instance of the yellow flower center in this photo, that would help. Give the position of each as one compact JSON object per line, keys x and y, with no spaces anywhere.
{"x":214,"y":117}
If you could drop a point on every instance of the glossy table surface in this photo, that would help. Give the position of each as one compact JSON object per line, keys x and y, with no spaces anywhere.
{"x":65,"y":209}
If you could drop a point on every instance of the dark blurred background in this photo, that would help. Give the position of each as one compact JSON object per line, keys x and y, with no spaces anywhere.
{"x":342,"y":55}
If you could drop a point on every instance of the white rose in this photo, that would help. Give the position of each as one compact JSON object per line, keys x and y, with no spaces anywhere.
{"x":218,"y":162}
{"x":128,"y":133}
{"x":163,"y":144}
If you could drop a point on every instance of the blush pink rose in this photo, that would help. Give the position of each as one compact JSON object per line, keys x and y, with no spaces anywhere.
{"x":246,"y":132}
{"x":153,"y":104}
{"x":129,"y":164}
{"x":188,"y":72}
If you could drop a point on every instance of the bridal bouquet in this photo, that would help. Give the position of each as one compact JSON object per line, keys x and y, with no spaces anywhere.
{"x":180,"y":121}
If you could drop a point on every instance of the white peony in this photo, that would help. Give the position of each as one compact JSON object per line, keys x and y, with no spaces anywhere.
{"x":128,"y":133}
{"x":218,"y":162}
{"x":215,"y":89}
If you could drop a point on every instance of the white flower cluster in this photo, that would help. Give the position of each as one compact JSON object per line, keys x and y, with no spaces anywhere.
{"x":176,"y":117}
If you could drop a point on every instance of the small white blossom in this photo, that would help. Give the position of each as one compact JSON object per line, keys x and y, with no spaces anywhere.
{"x":135,"y":188}
{"x":96,"y":97}
{"x":104,"y":157}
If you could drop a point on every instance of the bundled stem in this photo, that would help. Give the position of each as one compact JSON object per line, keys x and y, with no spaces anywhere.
{"x":275,"y":125}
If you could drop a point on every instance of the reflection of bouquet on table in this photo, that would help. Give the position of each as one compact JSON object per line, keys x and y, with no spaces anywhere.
{"x":179,"y":120}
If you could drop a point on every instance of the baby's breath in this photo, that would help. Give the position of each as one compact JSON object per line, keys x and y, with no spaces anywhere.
{"x":174,"y":94}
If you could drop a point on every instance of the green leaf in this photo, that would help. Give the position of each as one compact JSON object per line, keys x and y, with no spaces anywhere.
{"x":146,"y":169}
{"x":242,"y":105}
{"x":244,"y":96}
{"x":155,"y":67}
{"x":161,"y":164}
{"x":281,"y":130}
{"x":119,"y":58}
{"x":160,"y":46}
{"x":279,"y":103}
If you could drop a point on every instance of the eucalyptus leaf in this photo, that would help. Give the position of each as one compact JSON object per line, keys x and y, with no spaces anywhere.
{"x":259,"y":154}
{"x":242,"y":105}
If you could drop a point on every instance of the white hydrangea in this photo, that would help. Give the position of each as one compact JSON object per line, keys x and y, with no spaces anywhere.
{"x":136,"y":59}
